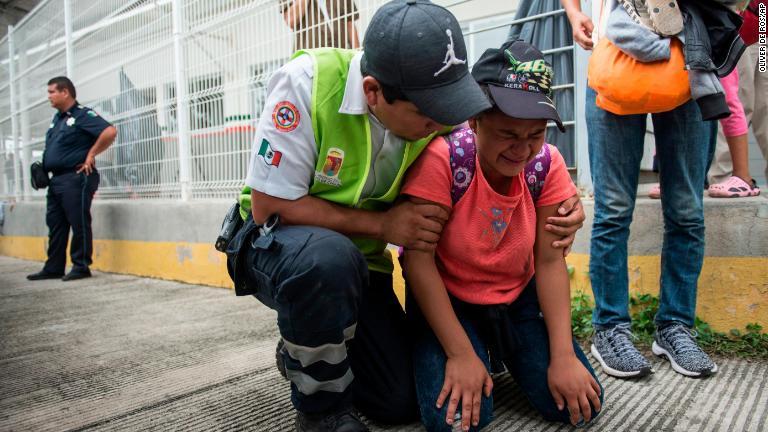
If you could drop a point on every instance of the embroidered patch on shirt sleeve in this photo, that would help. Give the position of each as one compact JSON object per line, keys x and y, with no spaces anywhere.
{"x":286,"y":116}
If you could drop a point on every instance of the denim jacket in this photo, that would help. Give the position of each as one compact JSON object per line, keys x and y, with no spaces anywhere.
{"x":712,"y":41}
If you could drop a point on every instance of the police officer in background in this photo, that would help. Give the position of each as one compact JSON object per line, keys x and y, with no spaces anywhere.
{"x":76,"y":135}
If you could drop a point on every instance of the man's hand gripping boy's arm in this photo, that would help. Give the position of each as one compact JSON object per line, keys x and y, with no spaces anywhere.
{"x":568,"y":219}
{"x":408,"y":224}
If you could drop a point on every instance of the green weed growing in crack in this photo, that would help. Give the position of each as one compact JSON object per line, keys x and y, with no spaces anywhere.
{"x":751,"y":342}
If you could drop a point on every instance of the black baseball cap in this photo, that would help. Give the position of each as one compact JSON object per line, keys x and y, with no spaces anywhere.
{"x":417,"y":47}
{"x":519,"y":81}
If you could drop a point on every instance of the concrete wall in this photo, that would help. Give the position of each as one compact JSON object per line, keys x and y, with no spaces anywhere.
{"x":161,"y":239}
{"x":733,"y":286}
{"x":173,"y":240}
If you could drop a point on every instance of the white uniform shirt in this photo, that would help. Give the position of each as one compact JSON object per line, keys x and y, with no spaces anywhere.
{"x":284,"y":152}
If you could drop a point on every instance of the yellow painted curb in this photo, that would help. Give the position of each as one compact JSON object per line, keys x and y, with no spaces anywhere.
{"x":196,"y":263}
{"x":733,"y":291}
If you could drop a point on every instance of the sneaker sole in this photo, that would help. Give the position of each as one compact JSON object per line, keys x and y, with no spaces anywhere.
{"x":661,"y":352}
{"x":617,"y":373}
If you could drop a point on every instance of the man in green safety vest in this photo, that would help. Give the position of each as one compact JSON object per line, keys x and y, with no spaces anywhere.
{"x":338,"y":132}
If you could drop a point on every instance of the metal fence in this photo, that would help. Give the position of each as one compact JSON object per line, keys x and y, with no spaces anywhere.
{"x":182,"y":80}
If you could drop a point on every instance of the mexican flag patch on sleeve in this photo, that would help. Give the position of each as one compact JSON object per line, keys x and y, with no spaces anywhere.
{"x":271,"y":157}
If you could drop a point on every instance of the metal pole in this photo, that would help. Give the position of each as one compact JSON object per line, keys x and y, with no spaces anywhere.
{"x":68,"y":39}
{"x":22,"y":90}
{"x":4,"y":192}
{"x":14,"y":116}
{"x":580,"y":62}
{"x":182,"y":102}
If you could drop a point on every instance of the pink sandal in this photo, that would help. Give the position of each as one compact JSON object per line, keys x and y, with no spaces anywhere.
{"x":734,"y":187}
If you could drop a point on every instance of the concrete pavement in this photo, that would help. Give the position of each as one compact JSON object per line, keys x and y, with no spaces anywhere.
{"x":120,"y":352}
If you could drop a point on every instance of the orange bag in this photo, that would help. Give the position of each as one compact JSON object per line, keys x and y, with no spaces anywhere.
{"x":626,"y":86}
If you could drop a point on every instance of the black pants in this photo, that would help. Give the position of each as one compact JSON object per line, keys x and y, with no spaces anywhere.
{"x":343,"y":328}
{"x":69,"y":206}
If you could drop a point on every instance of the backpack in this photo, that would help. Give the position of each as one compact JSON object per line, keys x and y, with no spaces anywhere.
{"x":461,"y":146}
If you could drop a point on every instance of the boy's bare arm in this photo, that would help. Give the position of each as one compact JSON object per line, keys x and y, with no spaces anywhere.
{"x":465,"y":374}
{"x":566,"y":222}
{"x":428,"y":289}
{"x":572,"y":386}
{"x":552,"y":279}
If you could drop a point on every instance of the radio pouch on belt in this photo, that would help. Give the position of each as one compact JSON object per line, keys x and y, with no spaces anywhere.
{"x":235,"y":249}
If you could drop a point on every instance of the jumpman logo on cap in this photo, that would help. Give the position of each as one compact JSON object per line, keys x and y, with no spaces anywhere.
{"x":450,"y":56}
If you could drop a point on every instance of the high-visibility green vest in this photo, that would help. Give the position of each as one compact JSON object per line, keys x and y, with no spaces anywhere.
{"x":344,"y":151}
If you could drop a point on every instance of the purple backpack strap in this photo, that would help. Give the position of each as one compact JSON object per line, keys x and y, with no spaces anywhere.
{"x":536,"y":171}
{"x":461,"y":147}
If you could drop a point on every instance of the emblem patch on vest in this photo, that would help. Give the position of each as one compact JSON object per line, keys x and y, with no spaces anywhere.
{"x":330,"y":173}
{"x":285,"y":116}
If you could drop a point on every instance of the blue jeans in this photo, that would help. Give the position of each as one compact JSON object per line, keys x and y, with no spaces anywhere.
{"x":684,"y":145}
{"x":525,"y":354}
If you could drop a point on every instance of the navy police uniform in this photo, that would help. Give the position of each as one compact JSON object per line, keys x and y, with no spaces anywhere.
{"x":70,"y":136}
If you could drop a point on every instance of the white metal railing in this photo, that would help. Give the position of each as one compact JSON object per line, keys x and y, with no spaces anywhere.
{"x":140,"y":63}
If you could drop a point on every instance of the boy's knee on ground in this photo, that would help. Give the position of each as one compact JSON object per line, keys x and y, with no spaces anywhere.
{"x":549,"y":410}
{"x":434,"y":418}
{"x":397,"y":408}
{"x":552,"y":414}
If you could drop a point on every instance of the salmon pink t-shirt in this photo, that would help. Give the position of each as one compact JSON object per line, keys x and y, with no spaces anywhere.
{"x":485,"y":252}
